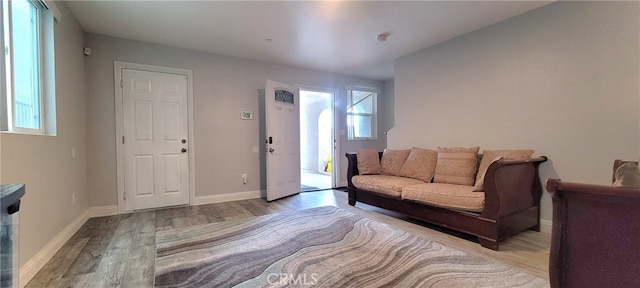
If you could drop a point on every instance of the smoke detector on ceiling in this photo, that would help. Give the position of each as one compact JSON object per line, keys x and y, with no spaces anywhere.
{"x":383,"y":36}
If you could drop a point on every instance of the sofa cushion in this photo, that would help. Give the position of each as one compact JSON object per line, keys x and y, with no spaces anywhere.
{"x":489,"y":156}
{"x":456,"y":165}
{"x":421,"y":164}
{"x":392,"y":161}
{"x":383,"y":184}
{"x":479,"y":186}
{"x":627,"y":175}
{"x":451,"y":196}
{"x":368,"y":161}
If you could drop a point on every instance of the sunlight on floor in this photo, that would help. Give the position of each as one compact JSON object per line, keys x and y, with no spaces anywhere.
{"x":312,"y":180}
{"x":321,"y":198}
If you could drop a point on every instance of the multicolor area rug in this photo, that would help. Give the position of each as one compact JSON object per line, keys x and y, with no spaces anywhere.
{"x":319,"y":247}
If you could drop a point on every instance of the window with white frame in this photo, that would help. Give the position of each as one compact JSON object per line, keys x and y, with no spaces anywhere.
{"x":361,"y":114}
{"x":27,"y":67}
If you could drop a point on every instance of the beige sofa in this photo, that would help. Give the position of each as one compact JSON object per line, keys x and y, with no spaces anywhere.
{"x":491,"y":195}
{"x":452,"y":196}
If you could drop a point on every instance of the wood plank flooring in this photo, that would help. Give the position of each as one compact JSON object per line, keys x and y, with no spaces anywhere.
{"x":118,"y":251}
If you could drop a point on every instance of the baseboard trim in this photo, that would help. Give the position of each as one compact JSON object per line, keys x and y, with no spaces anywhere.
{"x":102,"y":211}
{"x":31,"y":268}
{"x":228,"y":197}
{"x":545,"y":226}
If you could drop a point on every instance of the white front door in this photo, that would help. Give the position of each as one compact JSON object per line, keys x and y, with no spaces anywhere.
{"x":282,"y":115}
{"x":156,"y":162}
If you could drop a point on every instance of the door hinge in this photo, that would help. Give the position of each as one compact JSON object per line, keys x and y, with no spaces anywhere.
{"x":124,"y":196}
{"x":122,"y":139}
{"x":121,"y":83}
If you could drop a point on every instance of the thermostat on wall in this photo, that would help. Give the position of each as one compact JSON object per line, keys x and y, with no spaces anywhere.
{"x":246,"y":115}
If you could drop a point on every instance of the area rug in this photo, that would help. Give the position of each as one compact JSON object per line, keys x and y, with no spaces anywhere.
{"x":319,"y":247}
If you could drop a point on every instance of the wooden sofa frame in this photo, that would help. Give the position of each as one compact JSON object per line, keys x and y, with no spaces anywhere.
{"x":512,"y":202}
{"x":595,"y":232}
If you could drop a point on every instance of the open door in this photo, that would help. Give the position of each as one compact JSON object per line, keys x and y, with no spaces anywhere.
{"x":282,"y":113}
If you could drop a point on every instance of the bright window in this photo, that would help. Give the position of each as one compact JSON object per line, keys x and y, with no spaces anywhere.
{"x":361,"y":114}
{"x":25,"y":28}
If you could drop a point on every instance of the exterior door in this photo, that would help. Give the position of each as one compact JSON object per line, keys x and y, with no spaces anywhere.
{"x":156,"y":162}
{"x":282,"y":115}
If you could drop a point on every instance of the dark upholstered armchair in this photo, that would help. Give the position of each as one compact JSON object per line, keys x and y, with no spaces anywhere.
{"x":595,"y":239}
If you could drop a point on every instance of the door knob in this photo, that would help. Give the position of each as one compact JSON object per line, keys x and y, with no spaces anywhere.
{"x":271,"y":150}
{"x":184,"y":141}
{"x":184,"y":150}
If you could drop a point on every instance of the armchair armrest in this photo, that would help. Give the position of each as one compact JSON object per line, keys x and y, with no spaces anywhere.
{"x":511,"y":186}
{"x":600,"y":219}
{"x":558,"y":188}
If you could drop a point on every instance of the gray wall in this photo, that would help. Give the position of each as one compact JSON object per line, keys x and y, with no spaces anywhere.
{"x":223,"y":86}
{"x":387,"y":100}
{"x":44,"y":163}
{"x":562,"y":79}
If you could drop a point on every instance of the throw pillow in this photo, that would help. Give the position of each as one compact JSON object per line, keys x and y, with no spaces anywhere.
{"x":456,"y":165}
{"x":628,"y":175}
{"x":489,"y":156}
{"x":421,"y":164}
{"x":368,"y":162}
{"x":479,"y":187}
{"x":392,"y":161}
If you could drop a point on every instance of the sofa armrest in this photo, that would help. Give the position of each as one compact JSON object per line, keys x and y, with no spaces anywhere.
{"x":511,"y":186}
{"x":352,"y":167}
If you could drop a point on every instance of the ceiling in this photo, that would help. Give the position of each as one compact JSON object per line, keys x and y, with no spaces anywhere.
{"x":331,"y":36}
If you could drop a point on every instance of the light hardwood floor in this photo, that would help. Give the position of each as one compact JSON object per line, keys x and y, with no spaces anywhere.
{"x":118,"y":251}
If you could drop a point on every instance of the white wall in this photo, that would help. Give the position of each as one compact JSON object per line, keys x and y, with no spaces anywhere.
{"x":562,"y":79}
{"x":223,"y":86}
{"x":44,"y":163}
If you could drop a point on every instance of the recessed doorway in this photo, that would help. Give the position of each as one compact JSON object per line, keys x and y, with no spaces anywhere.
{"x":317,"y":140}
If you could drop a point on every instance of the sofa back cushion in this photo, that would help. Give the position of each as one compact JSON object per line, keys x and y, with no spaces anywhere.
{"x":392,"y":161}
{"x":627,"y":175}
{"x":489,"y":156}
{"x":456,"y":165}
{"x":368,"y":162}
{"x":421,"y":164}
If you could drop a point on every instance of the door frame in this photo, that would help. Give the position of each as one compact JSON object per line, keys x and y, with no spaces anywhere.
{"x":119,"y":98}
{"x":336,"y":145}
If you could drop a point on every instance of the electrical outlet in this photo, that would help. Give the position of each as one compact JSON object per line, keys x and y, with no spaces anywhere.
{"x":244,"y":178}
{"x":73,"y":198}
